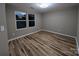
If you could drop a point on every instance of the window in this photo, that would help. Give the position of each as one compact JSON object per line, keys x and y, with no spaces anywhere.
{"x":20,"y":20}
{"x":31,"y":18}
{"x":21,"y":24}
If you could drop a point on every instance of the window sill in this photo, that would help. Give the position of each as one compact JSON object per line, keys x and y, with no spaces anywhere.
{"x":21,"y":29}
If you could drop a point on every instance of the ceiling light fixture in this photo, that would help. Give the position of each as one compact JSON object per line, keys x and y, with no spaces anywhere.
{"x":44,"y":5}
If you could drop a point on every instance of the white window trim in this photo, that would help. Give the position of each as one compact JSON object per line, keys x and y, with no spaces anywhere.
{"x":21,"y":20}
{"x":32,"y":20}
{"x":27,"y":21}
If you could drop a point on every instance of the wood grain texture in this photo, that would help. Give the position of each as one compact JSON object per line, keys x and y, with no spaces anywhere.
{"x":43,"y":44}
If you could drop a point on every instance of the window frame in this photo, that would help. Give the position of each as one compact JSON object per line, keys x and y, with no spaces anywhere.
{"x":32,"y":20}
{"x":20,"y":20}
{"x":27,"y":21}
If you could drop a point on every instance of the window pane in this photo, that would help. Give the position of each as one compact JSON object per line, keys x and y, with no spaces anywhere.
{"x":31,"y":17}
{"x":31,"y":23}
{"x":20,"y":15}
{"x":21,"y":24}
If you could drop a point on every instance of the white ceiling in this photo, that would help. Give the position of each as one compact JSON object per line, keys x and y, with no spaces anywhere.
{"x":54,"y":6}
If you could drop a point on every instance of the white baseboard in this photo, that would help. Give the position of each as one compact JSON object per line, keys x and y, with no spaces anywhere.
{"x":48,"y":31}
{"x":59,"y":33}
{"x":66,"y":35}
{"x":23,"y":35}
{"x":41,"y":30}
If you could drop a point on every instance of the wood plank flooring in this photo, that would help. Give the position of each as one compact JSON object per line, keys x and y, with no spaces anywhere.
{"x":43,"y":44}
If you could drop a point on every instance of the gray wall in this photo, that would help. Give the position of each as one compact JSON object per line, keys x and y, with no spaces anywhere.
{"x":10,"y":16}
{"x":78,"y":31}
{"x":3,"y":34}
{"x":62,"y":21}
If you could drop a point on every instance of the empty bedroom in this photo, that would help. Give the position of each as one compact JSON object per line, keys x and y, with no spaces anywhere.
{"x":39,"y":29}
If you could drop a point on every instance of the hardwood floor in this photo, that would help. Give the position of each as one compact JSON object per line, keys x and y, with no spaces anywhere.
{"x":43,"y":44}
